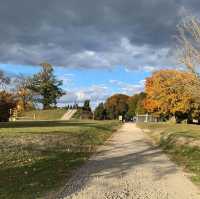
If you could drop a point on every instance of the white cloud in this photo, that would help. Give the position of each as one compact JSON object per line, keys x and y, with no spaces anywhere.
{"x":67,"y":79}
{"x":94,"y":93}
{"x":149,"y":68}
{"x":129,"y":89}
{"x":127,"y":70}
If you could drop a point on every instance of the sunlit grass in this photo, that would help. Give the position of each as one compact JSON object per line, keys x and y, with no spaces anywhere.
{"x":181,"y":142}
{"x":52,"y":114}
{"x":38,"y":157}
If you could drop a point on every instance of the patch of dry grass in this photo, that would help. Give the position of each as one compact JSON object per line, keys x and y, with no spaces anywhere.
{"x":52,"y":114}
{"x":180,"y":141}
{"x":38,"y":157}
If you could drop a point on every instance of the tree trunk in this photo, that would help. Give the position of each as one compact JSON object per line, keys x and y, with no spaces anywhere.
{"x":189,"y":119}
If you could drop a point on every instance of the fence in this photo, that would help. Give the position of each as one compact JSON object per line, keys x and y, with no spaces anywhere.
{"x":146,"y":118}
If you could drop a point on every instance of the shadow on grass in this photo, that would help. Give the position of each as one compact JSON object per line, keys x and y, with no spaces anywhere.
{"x":33,"y":180}
{"x":22,"y":124}
{"x":120,"y":165}
{"x":29,"y":169}
{"x":184,"y":137}
{"x":29,"y":124}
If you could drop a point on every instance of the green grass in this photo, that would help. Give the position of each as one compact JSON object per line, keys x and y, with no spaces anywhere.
{"x":181,"y":142}
{"x":38,"y":157}
{"x":81,"y":114}
{"x":53,"y":114}
{"x":77,"y":115}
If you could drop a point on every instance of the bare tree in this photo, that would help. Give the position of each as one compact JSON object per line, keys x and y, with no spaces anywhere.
{"x":188,"y":38}
{"x":25,"y":96}
{"x":4,"y":80}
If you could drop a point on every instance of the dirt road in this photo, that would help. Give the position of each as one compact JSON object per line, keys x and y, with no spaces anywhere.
{"x":128,"y":167}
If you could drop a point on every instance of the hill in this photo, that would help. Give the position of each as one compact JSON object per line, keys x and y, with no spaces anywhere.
{"x":52,"y":114}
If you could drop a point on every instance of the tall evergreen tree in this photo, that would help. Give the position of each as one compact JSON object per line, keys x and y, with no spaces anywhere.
{"x":100,"y":112}
{"x":86,"y":105}
{"x":46,"y":86}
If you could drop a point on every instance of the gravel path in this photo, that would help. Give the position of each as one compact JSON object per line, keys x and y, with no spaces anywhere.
{"x":129,"y":167}
{"x":69,"y":114}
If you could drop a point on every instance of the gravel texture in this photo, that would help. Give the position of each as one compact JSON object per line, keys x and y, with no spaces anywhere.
{"x":129,"y":167}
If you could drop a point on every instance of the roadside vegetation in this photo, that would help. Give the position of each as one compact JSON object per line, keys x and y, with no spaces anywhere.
{"x":180,"y":141}
{"x":38,"y":157}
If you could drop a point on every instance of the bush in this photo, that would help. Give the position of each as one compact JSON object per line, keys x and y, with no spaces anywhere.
{"x":7,"y":102}
{"x":100,"y":112}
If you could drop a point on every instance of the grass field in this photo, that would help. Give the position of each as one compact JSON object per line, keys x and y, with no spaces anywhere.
{"x":53,"y":114}
{"x":181,"y":142}
{"x":38,"y":157}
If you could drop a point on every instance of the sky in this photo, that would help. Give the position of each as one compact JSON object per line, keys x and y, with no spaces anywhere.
{"x":97,"y":48}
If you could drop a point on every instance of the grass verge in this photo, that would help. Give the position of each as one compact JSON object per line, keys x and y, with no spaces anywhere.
{"x":180,"y":141}
{"x":38,"y":157}
{"x":52,"y":114}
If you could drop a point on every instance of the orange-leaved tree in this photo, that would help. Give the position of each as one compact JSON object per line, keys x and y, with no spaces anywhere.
{"x":116,"y":105}
{"x":7,"y":101}
{"x":169,"y":94}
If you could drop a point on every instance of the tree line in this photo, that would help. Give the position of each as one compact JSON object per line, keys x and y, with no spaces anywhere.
{"x":120,"y":104}
{"x":42,"y":88}
{"x":168,"y":93}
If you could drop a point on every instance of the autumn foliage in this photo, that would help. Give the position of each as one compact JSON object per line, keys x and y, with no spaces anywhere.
{"x":120,"y":104}
{"x":169,"y":94}
{"x":116,"y":105}
{"x":7,"y":101}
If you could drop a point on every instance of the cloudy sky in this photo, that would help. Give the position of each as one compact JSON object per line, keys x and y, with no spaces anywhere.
{"x":97,"y":47}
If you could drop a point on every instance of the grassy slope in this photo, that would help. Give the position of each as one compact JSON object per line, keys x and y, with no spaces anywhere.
{"x":53,"y":114}
{"x":77,"y":115}
{"x":38,"y":157}
{"x":181,"y":142}
{"x":80,"y":114}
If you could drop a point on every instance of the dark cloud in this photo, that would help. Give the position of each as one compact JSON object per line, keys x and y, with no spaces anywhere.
{"x":89,"y":33}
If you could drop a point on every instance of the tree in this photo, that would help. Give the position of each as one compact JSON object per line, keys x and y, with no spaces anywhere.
{"x":7,"y":102}
{"x":86,"y":105}
{"x":46,"y":86}
{"x":167,"y":94}
{"x":100,"y":112}
{"x":85,"y":112}
{"x":4,"y":80}
{"x":135,"y":104}
{"x":116,"y":105}
{"x":188,"y":38}
{"x":24,"y":94}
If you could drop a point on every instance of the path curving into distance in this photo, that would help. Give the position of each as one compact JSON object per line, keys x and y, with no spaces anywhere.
{"x":129,"y":167}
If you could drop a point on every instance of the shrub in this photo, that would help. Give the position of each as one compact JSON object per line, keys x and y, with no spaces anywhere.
{"x":7,"y":102}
